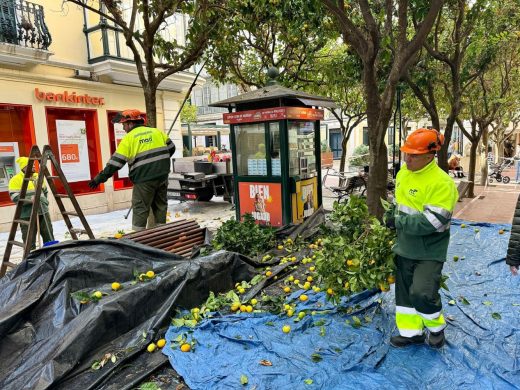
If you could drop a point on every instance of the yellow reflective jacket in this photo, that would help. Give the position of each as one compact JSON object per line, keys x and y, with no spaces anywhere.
{"x":146,"y":150}
{"x":15,"y":186}
{"x":425,"y":200}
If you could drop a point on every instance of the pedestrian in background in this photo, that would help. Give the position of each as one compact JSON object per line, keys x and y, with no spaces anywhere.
{"x":44,"y":219}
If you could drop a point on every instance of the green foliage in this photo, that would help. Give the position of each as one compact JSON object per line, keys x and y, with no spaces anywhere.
{"x":245,"y":237}
{"x":360,"y":156}
{"x":189,"y":113}
{"x":325,"y":146}
{"x":357,"y":251}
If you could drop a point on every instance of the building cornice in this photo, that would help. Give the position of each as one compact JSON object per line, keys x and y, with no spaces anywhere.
{"x":11,"y":54}
{"x":124,"y":73}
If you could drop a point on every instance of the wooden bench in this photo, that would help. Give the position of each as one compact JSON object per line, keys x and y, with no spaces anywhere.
{"x":463,"y":189}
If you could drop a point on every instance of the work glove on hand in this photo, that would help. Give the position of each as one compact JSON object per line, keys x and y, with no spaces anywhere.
{"x":389,"y":218}
{"x":94,"y":183}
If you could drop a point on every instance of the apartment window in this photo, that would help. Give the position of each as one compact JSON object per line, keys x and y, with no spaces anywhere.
{"x":391,"y":135}
{"x":365,"y":136}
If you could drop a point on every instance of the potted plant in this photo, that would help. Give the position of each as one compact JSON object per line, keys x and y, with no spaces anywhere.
{"x":327,"y":157}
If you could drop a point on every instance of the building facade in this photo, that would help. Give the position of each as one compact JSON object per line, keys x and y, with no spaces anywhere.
{"x":64,"y":74}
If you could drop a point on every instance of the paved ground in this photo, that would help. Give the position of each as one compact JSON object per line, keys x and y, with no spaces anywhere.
{"x":494,"y":203}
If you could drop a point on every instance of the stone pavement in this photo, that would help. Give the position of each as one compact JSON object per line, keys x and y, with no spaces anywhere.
{"x":494,"y":203}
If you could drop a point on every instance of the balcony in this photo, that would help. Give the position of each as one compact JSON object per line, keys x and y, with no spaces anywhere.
{"x":111,"y":57}
{"x":24,"y":36}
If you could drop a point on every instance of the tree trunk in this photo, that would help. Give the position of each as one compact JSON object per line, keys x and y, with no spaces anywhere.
{"x":343,"y":159}
{"x":484,"y":165}
{"x":442,"y":159}
{"x":472,"y":165}
{"x":150,"y":99}
{"x":378,"y":117}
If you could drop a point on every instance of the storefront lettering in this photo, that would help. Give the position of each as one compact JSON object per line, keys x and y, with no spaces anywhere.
{"x":68,"y":97}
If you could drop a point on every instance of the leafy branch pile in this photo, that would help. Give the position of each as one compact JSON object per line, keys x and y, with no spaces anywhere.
{"x":356,"y":252}
{"x":245,"y":237}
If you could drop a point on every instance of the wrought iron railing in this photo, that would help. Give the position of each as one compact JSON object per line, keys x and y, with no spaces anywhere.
{"x":23,"y":23}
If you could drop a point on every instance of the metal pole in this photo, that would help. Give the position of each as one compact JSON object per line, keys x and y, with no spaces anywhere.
{"x":186,"y":97}
{"x":399,"y":97}
{"x":393,"y":141}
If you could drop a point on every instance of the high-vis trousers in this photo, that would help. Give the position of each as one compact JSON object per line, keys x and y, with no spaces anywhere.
{"x":417,"y":299}
{"x":46,"y":231}
{"x":149,"y":196}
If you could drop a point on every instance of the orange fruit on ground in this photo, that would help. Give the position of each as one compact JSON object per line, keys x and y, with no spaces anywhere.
{"x":185,"y":347}
{"x":161,"y":343}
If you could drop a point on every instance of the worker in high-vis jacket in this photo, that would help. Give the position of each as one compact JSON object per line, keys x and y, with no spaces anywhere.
{"x":147,"y":151}
{"x":425,"y":197}
{"x":44,"y":219}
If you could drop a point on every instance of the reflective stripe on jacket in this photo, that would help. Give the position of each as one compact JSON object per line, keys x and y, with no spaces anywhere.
{"x":15,"y":187}
{"x":425,"y":201}
{"x":146,"y":150}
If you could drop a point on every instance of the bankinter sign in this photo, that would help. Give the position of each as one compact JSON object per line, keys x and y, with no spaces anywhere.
{"x":68,"y":97}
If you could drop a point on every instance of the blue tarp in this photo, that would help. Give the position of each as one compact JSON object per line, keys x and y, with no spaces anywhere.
{"x":324,"y":352}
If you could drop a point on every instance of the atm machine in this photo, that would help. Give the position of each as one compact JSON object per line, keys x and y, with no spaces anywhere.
{"x":8,"y":168}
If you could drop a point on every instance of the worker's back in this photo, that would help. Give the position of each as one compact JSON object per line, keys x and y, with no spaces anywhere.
{"x":147,"y":152}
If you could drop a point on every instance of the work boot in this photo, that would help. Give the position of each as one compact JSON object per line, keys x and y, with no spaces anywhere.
{"x":401,"y":341}
{"x":436,"y":340}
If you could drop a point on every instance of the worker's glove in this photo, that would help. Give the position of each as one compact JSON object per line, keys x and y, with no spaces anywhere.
{"x":389,"y":217}
{"x":390,"y":223}
{"x":94,"y":183}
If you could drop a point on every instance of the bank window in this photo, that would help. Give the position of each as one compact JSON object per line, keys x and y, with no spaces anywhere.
{"x":250,"y":145}
{"x":16,"y":139}
{"x":115,"y":135}
{"x":74,"y":139}
{"x":302,"y":158}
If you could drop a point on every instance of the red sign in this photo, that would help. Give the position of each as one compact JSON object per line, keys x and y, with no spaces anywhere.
{"x":69,"y":153}
{"x":276,"y":113}
{"x":263,"y":201}
{"x":6,"y":149}
{"x":69,"y":97}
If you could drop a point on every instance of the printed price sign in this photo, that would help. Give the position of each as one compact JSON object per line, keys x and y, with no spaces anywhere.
{"x":72,"y":141}
{"x":69,"y":153}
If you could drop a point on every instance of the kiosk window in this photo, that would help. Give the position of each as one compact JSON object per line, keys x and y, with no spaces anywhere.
{"x":274,"y":130}
{"x":250,"y":146}
{"x":302,"y":158}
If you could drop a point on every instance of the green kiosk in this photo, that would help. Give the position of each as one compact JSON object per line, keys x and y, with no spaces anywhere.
{"x":275,"y":143}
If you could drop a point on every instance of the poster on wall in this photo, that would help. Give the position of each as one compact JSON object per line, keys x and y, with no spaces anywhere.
{"x":119,"y":133}
{"x":263,"y":201}
{"x":72,"y":141}
{"x":307,"y":198}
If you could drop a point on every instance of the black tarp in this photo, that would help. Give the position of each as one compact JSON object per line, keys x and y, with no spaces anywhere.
{"x":50,"y":340}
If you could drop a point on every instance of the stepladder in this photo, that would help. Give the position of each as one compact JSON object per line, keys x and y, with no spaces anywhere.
{"x":42,"y":158}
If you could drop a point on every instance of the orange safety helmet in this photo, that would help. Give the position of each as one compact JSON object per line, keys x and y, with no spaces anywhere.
{"x":423,"y":141}
{"x":128,"y":115}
